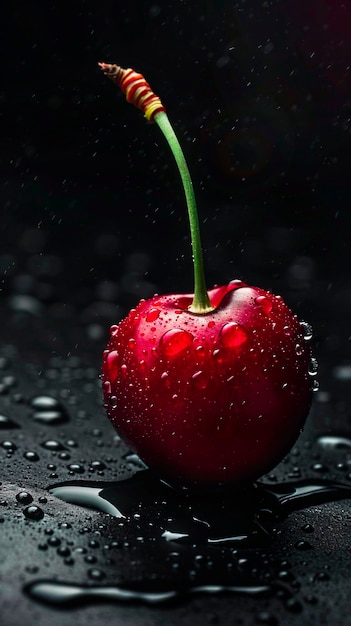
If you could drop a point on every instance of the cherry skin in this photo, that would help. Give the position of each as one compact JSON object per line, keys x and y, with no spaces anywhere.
{"x":209,"y":399}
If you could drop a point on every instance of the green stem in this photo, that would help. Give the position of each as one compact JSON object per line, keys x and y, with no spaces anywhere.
{"x":201,"y":302}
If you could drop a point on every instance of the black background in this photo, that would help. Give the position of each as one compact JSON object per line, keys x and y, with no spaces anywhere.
{"x":93,"y":218}
{"x":259,"y":94}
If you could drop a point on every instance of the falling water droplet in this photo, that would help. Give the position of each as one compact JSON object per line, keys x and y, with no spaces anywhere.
{"x":175,"y":341}
{"x":233,"y":335}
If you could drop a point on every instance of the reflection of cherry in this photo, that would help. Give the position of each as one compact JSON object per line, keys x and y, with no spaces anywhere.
{"x":209,"y":388}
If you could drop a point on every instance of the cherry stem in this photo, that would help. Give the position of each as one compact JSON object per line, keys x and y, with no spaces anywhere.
{"x":139,"y":93}
{"x":201,"y":302}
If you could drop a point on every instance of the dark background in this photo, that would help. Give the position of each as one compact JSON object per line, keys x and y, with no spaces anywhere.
{"x":93,"y":218}
{"x":259,"y":94}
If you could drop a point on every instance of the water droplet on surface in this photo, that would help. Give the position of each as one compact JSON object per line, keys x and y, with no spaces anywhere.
{"x":217,"y":525}
{"x":315,"y":385}
{"x":76,"y":468}
{"x":50,"y":418}
{"x":48,"y":410}
{"x":31,"y":456}
{"x":6,"y":423}
{"x":233,"y":335}
{"x":153,"y":314}
{"x":33,"y":512}
{"x":303,"y":545}
{"x":265,"y":304}
{"x":23,"y":497}
{"x":298,"y":349}
{"x":334,"y":442}
{"x":113,"y":330}
{"x":8,"y":445}
{"x":175,"y":341}
{"x":96,"y":574}
{"x":53,"y":445}
{"x":63,"y":594}
{"x":44,"y":403}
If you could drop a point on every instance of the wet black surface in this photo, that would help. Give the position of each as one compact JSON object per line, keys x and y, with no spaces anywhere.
{"x":92,"y":219}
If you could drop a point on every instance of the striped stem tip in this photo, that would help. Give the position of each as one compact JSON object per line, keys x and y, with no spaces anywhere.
{"x":135,"y":88}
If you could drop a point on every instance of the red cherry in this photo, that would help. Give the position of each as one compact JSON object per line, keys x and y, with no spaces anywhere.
{"x":208,"y":388}
{"x":214,"y":398}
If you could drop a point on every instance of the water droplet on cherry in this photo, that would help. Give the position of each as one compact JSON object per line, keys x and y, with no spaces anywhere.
{"x":264,"y":303}
{"x":217,"y":355}
{"x":233,"y":335}
{"x":106,"y":386}
{"x":313,"y":367}
{"x":236,"y":284}
{"x":124,"y":369}
{"x":152,"y":314}
{"x":165,"y":379}
{"x":200,"y":379}
{"x":175,"y":341}
{"x":112,"y":365}
{"x":307,"y":331}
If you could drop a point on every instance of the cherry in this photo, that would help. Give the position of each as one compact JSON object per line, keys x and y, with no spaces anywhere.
{"x":207,"y":388}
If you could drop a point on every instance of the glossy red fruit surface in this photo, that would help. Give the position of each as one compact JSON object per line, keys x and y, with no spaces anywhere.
{"x":209,"y":399}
